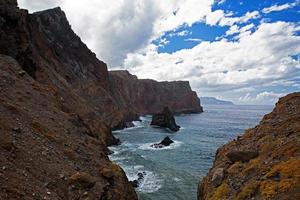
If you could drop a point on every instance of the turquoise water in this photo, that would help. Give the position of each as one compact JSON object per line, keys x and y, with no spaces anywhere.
{"x":174,"y":172}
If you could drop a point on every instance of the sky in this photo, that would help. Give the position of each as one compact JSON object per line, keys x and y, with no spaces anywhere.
{"x":239,"y":50}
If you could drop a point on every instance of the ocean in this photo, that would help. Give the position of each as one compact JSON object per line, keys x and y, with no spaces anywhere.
{"x":175,"y":171}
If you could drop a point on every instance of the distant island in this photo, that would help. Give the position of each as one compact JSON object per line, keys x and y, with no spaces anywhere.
{"x":214,"y":101}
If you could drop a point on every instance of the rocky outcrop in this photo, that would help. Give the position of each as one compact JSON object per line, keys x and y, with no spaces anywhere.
{"x":144,"y":96}
{"x":165,"y":119}
{"x":47,"y":153}
{"x":263,"y":163}
{"x":164,"y":143}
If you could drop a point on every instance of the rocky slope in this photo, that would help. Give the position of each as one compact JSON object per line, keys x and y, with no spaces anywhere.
{"x":263,"y":163}
{"x":145,"y":96}
{"x":46,"y":152}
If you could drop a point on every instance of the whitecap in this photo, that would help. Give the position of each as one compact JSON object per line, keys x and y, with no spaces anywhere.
{"x":150,"y":183}
{"x":147,"y":146}
{"x":177,"y":179}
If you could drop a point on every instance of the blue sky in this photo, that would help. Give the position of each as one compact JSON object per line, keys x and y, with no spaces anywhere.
{"x":244,"y":51}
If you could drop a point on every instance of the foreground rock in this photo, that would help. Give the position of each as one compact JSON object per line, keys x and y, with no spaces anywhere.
{"x":165,"y":119}
{"x":164,"y":143}
{"x":136,"y":183}
{"x":264,"y":163}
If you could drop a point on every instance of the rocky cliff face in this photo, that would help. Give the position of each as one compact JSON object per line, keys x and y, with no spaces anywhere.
{"x":48,"y":153}
{"x":263,"y":163}
{"x":144,"y":96}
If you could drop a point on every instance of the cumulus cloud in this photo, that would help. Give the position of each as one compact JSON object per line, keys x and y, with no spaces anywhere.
{"x":112,"y":29}
{"x":265,"y":97}
{"x":276,"y":8}
{"x":121,"y":33}
{"x":256,"y":59}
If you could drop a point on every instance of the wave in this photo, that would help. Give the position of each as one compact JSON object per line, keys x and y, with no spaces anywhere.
{"x":150,"y":183}
{"x":147,"y":146}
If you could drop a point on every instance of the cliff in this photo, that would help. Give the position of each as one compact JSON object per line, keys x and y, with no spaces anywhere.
{"x":47,"y":153}
{"x":50,"y":52}
{"x":144,"y":96}
{"x":263,"y":163}
{"x":57,"y":111}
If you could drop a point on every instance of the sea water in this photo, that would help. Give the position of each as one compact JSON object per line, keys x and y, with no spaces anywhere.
{"x":175,"y":171}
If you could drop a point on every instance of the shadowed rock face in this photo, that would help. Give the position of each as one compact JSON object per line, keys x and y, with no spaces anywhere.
{"x":46,"y":152}
{"x":145,"y":96}
{"x":263,"y":163}
{"x":165,"y":119}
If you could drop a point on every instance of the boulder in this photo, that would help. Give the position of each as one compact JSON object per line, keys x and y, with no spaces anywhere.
{"x":217,"y":177}
{"x":165,"y":119}
{"x":136,"y":183}
{"x":164,"y":143}
{"x":242,"y":156}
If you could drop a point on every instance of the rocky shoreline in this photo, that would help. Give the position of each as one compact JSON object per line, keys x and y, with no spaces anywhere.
{"x":263,"y":163}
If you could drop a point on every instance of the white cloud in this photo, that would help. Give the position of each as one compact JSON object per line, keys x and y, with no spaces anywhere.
{"x":193,"y":40}
{"x":256,"y":59}
{"x":276,"y":8}
{"x":120,"y":33}
{"x":267,"y":98}
{"x":229,"y":21}
{"x":112,"y":29}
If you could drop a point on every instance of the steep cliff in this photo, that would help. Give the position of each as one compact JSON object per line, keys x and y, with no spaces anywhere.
{"x":144,"y":96}
{"x":50,"y":52}
{"x":263,"y":163}
{"x":47,"y":153}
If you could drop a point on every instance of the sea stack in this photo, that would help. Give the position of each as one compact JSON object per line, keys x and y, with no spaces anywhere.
{"x":165,"y":119}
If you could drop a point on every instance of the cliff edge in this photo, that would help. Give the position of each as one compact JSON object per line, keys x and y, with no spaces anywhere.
{"x":263,"y":163}
{"x":145,"y":96}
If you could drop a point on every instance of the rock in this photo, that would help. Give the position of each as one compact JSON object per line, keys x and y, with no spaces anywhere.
{"x":83,"y":179}
{"x":22,"y":73}
{"x":217,"y":177}
{"x":243,"y":156}
{"x":129,"y":125}
{"x":135,"y":183}
{"x":115,"y":141}
{"x":164,"y":143}
{"x":165,"y":119}
{"x":17,"y":130}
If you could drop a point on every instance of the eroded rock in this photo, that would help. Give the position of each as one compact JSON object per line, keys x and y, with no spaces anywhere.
{"x":165,"y":119}
{"x":242,"y":156}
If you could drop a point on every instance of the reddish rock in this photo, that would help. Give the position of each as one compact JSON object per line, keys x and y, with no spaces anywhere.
{"x":273,"y":173}
{"x":144,"y":96}
{"x":242,"y":156}
{"x":165,"y":119}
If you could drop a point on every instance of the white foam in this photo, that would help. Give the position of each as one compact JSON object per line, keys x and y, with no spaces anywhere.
{"x":176,"y":179}
{"x":150,"y":183}
{"x":147,"y":146}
